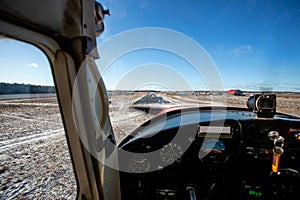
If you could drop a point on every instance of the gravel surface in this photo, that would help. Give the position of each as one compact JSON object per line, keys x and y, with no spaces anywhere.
{"x":34,"y":157}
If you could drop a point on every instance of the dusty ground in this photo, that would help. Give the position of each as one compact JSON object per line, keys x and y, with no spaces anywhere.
{"x":34,"y":158}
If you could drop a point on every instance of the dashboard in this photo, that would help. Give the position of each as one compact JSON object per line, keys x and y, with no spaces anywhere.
{"x":212,"y":153}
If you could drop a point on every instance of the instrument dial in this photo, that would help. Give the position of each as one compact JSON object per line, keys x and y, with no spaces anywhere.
{"x":213,"y":152}
{"x":170,"y":153}
{"x":139,"y":164}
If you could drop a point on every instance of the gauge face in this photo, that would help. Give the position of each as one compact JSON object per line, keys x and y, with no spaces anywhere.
{"x":139,"y":164}
{"x":213,"y":152}
{"x":170,"y":153}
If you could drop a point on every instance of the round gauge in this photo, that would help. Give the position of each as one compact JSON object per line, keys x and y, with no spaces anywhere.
{"x":212,"y":152}
{"x":139,"y":164}
{"x":170,"y":153}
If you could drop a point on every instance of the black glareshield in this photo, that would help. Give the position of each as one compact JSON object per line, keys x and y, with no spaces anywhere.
{"x":264,"y":105}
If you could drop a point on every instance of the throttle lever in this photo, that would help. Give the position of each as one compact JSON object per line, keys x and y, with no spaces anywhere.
{"x":277,"y":152}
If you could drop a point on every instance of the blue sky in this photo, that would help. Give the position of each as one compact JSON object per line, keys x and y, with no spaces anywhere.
{"x":254,"y":44}
{"x":23,"y":63}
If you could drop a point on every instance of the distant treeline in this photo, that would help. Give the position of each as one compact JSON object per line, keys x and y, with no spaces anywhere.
{"x":15,"y":88}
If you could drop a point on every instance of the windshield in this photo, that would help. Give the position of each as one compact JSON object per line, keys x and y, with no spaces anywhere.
{"x":169,"y":53}
{"x":155,"y":57}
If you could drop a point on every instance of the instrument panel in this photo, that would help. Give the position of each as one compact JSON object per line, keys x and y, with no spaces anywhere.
{"x":217,"y":142}
{"x":239,"y":151}
{"x":214,"y":150}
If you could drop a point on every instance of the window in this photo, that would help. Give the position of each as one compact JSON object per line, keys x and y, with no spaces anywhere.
{"x":34,"y":157}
